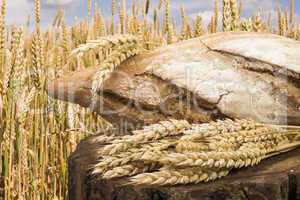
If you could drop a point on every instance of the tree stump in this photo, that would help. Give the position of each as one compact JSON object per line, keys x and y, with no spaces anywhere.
{"x":277,"y":178}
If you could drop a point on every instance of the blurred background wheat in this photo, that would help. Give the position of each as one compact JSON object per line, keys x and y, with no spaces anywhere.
{"x":37,"y":134}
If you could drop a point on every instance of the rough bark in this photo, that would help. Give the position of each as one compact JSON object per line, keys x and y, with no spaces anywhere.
{"x":277,"y":178}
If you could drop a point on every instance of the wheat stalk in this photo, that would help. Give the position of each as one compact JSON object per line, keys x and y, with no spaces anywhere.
{"x":150,"y":133}
{"x":257,"y":24}
{"x":198,"y":30}
{"x":176,"y":176}
{"x":103,"y":44}
{"x":215,"y":17}
{"x":226,"y":15}
{"x":128,"y":48}
{"x":128,"y":170}
{"x":2,"y":37}
{"x":37,"y":10}
{"x":245,"y":156}
{"x":246,"y":25}
{"x":122,"y":15}
{"x":167,"y":17}
{"x":234,"y":15}
{"x":133,"y":154}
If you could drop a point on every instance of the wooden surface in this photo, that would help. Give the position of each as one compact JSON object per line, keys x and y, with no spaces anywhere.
{"x":277,"y":178}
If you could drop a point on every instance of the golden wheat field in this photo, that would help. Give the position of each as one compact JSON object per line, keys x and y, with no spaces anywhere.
{"x":37,"y":133}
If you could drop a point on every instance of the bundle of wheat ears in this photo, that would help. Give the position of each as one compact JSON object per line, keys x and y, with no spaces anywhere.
{"x":177,"y":152}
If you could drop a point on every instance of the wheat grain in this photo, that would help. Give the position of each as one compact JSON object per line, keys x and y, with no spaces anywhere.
{"x":245,"y":156}
{"x":37,"y":10}
{"x":198,"y":30}
{"x":104,"y":43}
{"x":36,"y":60}
{"x":234,"y":15}
{"x":257,"y":24}
{"x":226,"y":15}
{"x":2,"y":37}
{"x":150,"y":133}
{"x":246,"y":25}
{"x":215,"y":17}
{"x":174,"y":177}
{"x":189,"y":146}
{"x":281,"y":22}
{"x":167,"y":17}
{"x":201,"y":131}
{"x":134,"y":154}
{"x":129,"y":48}
{"x":122,"y":15}
{"x":128,"y":170}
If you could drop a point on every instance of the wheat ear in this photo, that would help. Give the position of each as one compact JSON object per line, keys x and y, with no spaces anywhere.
{"x":177,"y":176}
{"x":150,"y":133}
